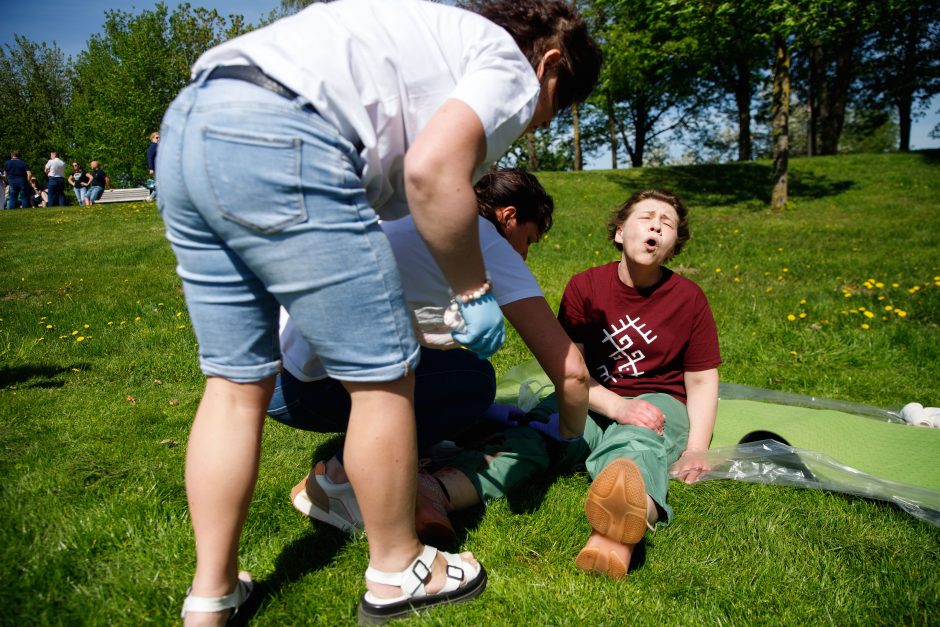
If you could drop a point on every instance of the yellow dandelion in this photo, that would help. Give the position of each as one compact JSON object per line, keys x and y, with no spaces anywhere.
{"x":889,"y":308}
{"x":48,"y":326}
{"x":865,"y":327}
{"x":75,"y":370}
{"x":881,"y":298}
{"x":769,"y":290}
{"x":847,"y":294}
{"x":794,"y":353}
{"x":80,"y":338}
{"x":110,"y":322}
{"x":180,"y":313}
{"x":86,"y":326}
{"x":901,"y":313}
{"x":74,"y":332}
{"x":786,"y":269}
{"x":879,"y":285}
{"x":596,"y":253}
{"x":737,"y":279}
{"x":895,"y":285}
{"x":802,"y":301}
{"x":869,"y":314}
{"x":802,"y":315}
{"x":717,"y":269}
{"x":137,"y":319}
{"x":791,"y":317}
{"x":861,"y":308}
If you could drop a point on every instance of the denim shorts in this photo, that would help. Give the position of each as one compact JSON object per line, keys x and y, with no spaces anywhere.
{"x":94,"y":193}
{"x":264,"y":206}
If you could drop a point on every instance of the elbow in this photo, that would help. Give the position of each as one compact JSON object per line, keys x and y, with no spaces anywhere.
{"x":576,"y":372}
{"x":419,"y":179}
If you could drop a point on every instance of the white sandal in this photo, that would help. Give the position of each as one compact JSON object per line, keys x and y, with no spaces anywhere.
{"x":464,"y":582}
{"x":233,"y":601}
{"x":336,"y":505}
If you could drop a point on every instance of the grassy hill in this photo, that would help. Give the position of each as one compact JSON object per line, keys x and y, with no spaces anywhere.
{"x":839,"y":296}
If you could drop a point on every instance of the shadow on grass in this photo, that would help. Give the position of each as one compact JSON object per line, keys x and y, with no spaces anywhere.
{"x":728,"y":183}
{"x":36,"y":375}
{"x":930,"y":156}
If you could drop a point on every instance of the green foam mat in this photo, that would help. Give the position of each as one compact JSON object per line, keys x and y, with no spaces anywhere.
{"x":886,"y":450}
{"x":897,"y":452}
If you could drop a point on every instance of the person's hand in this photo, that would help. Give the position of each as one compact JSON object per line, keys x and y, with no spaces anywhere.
{"x":550,"y":426}
{"x":504,"y":413}
{"x":691,"y":466}
{"x":639,"y":413}
{"x":482,"y":331}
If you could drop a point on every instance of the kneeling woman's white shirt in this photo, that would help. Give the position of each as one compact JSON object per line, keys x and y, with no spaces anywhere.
{"x":426,"y":291}
{"x":378,"y":70}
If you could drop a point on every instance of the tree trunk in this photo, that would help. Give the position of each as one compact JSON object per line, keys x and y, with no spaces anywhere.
{"x":742,"y":97}
{"x":780,"y":109}
{"x":612,"y":128}
{"x":815,"y":86}
{"x":576,"y":126}
{"x":904,"y":97}
{"x":533,"y":152}
{"x":832,"y":106}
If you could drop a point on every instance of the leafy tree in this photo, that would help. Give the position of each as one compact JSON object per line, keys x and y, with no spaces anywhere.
{"x":652,"y":70}
{"x":128,"y":76}
{"x":34,"y":98}
{"x":902,"y":67}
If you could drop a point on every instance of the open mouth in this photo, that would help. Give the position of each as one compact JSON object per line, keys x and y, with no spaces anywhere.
{"x":652,"y":243}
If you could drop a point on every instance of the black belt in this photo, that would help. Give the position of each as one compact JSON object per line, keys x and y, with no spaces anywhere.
{"x":251,"y":74}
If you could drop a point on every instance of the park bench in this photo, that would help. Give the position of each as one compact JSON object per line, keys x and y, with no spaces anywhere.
{"x":133,"y":194}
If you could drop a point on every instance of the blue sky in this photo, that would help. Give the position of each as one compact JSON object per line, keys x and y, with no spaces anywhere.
{"x":69,"y":23}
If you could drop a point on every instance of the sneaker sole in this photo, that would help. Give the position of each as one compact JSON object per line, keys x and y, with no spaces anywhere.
{"x":616,"y":502}
{"x":303,"y":504}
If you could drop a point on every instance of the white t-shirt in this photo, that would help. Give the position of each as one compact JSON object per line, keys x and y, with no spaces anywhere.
{"x":55,"y":167}
{"x":426,"y":291}
{"x":379,"y":69}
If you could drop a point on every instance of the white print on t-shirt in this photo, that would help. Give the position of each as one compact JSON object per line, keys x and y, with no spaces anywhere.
{"x":622,"y":342}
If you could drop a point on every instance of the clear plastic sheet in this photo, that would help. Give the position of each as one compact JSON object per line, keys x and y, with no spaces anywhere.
{"x":771,"y":462}
{"x":734,"y":391}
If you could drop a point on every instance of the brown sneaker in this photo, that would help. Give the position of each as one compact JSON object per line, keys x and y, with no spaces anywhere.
{"x":616,"y":502}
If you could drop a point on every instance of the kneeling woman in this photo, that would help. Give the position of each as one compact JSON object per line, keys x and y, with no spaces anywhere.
{"x":453,"y":388}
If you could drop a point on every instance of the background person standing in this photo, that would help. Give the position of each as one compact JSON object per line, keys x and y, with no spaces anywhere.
{"x":18,"y":175}
{"x":55,"y":184}
{"x":152,"y":163}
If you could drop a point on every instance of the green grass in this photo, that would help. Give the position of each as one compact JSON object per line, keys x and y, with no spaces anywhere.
{"x":95,"y":530}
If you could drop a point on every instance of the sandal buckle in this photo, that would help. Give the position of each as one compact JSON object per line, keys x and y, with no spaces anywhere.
{"x":457,"y":569}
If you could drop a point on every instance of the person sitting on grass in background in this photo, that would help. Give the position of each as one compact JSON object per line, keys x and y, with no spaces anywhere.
{"x":453,"y":388}
{"x":97,"y":181}
{"x":651,"y":345}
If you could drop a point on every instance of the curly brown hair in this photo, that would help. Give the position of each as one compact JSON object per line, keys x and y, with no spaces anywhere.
{"x":673,"y":200}
{"x":540,"y":25}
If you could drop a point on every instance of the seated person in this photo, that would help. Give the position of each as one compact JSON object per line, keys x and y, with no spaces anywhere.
{"x":452,"y":387}
{"x":651,"y":347}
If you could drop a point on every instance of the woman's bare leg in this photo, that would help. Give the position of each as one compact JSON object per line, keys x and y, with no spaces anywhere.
{"x":221,"y":471}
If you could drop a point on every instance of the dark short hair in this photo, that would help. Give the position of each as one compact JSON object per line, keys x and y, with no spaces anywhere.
{"x":537,"y":26}
{"x":673,"y":200}
{"x":514,"y":187}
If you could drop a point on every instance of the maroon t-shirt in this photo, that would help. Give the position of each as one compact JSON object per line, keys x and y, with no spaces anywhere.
{"x":640,"y":341}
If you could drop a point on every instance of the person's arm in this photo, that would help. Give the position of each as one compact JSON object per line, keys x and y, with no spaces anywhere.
{"x":439,"y":168}
{"x":702,"y":404}
{"x":625,"y":411}
{"x":558,"y":356}
{"x":107,"y":181}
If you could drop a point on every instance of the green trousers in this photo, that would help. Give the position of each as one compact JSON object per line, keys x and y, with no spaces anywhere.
{"x":513,"y":457}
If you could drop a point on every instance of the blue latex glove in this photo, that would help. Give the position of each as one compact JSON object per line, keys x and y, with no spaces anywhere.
{"x":551,"y":428}
{"x":483,"y":330}
{"x":504,"y":413}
